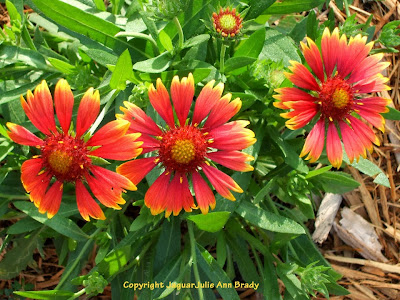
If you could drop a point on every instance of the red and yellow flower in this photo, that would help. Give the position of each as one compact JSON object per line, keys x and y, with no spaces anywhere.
{"x":184,"y":148}
{"x":334,"y":92}
{"x":227,"y":22}
{"x":65,"y":156}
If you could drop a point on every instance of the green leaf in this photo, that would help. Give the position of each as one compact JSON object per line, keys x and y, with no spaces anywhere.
{"x":100,"y":5}
{"x":234,"y":63}
{"x":46,"y":295}
{"x":257,"y":7}
{"x":62,"y":66}
{"x":86,"y":23}
{"x":211,"y":222}
{"x":18,"y":257}
{"x":317,"y":172}
{"x":279,"y":47}
{"x":169,"y":273}
{"x":122,"y":72}
{"x":216,"y":274}
{"x":252,"y":46}
{"x":12,"y":12}
{"x":392,"y":114}
{"x":114,"y":261}
{"x":23,"y":226}
{"x":382,"y":179}
{"x":292,"y":6}
{"x":166,"y":76}
{"x":271,"y":286}
{"x":60,"y":224}
{"x":155,"y":64}
{"x":292,"y":283}
{"x":267,"y":220}
{"x":166,"y":41}
{"x":196,"y":40}
{"x":336,"y":182}
{"x":12,"y":54}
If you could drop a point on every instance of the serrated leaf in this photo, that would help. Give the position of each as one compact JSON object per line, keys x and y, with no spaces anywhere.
{"x":267,"y":220}
{"x":211,"y":222}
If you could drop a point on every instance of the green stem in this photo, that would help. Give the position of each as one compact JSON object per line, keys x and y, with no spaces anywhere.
{"x":194,"y":259}
{"x":76,"y":261}
{"x":77,"y":294}
{"x":103,"y":112}
{"x":140,"y":36}
{"x":16,"y":197}
{"x":180,"y":32}
{"x":346,"y":8}
{"x":222,"y":59}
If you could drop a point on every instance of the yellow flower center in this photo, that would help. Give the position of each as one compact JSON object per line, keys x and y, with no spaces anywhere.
{"x":183,"y":151}
{"x":60,"y":161}
{"x":340,"y":98}
{"x":228,"y":22}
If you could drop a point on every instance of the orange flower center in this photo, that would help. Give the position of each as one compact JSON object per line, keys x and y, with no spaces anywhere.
{"x":65,"y":157}
{"x":227,"y":22}
{"x":182,"y":149}
{"x":336,"y":99}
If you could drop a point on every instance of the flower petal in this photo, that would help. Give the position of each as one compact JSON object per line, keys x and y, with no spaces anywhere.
{"x":159,"y":99}
{"x":104,"y":192}
{"x":117,"y":181}
{"x":23,"y":136}
{"x":206,"y":100}
{"x":42,"y":106}
{"x":364,"y":132}
{"x":64,"y":103}
{"x":291,"y":94}
{"x":374,"y":118}
{"x":140,"y":122}
{"x":313,"y":58}
{"x":329,"y":49}
{"x":232,"y":136}
{"x":315,"y":142}
{"x":155,"y":197}
{"x":353,"y":146}
{"x":204,"y":196}
{"x":86,"y":204}
{"x":223,"y":111}
{"x":369,"y":67}
{"x":334,"y":146}
{"x":234,"y":160}
{"x":39,"y":189}
{"x":124,"y":148}
{"x":136,"y":170}
{"x":109,"y":133}
{"x":29,"y":172}
{"x":182,"y":96}
{"x":88,"y":111}
{"x":221,"y":182}
{"x":178,"y":196}
{"x":52,"y":200}
{"x":302,"y":77}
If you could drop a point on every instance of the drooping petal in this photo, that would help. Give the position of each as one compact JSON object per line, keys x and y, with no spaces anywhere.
{"x":222,"y":183}
{"x":117,"y":181}
{"x":64,"y":103}
{"x":302,"y":77}
{"x":109,"y":133}
{"x":29,"y":171}
{"x":182,"y":96}
{"x":159,"y":99}
{"x":39,"y":188}
{"x":334,"y":146}
{"x":178,"y":196}
{"x":124,"y":148}
{"x":136,"y":170}
{"x":204,"y":196}
{"x":313,"y":58}
{"x":86,"y":204}
{"x":155,"y":197}
{"x":23,"y":136}
{"x":52,"y":200}
{"x":223,"y":111}
{"x":140,"y":122}
{"x":234,"y":160}
{"x":329,"y":49}
{"x":107,"y":194}
{"x":88,"y":111}
{"x":206,"y":100}
{"x":315,"y":142}
{"x":42,"y":106}
{"x":364,"y":132}
{"x":353,"y":146}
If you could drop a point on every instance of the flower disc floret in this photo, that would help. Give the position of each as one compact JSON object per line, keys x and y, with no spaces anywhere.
{"x":227,"y":22}
{"x":65,"y":156}
{"x":335,"y":93}
{"x":185,"y":149}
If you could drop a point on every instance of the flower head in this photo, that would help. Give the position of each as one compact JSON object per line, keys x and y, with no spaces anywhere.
{"x":335,"y":92}
{"x":185,"y":148}
{"x":66,"y":156}
{"x":227,"y":22}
